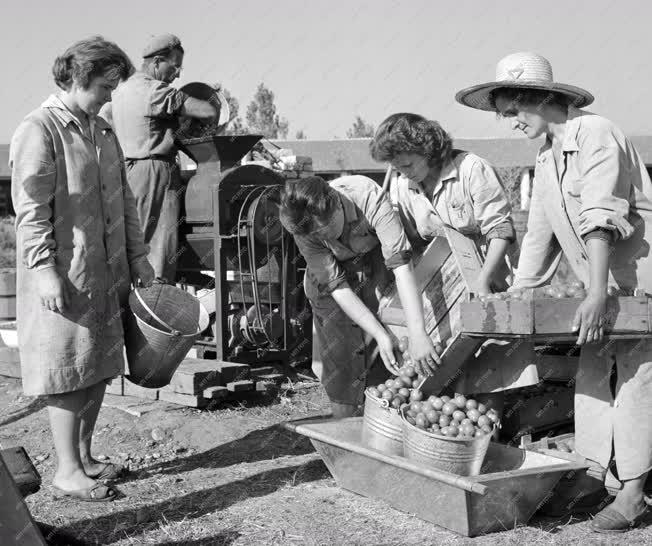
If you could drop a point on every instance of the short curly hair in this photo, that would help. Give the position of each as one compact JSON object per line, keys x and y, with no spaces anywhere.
{"x":406,"y":133}
{"x":307,"y":204}
{"x":89,"y":58}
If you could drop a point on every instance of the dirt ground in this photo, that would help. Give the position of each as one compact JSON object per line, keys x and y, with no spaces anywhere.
{"x":233,"y":476}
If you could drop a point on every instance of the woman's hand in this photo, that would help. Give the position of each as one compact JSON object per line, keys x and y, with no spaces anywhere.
{"x":424,"y":357}
{"x":142,"y":271}
{"x":590,"y":319}
{"x":386,"y":351}
{"x":52,"y":290}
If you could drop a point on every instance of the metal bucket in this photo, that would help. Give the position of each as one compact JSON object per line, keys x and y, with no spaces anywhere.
{"x":382,"y":427}
{"x":163,"y":324}
{"x":454,"y":455}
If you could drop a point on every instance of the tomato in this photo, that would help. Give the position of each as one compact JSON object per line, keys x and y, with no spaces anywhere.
{"x":478,"y":432}
{"x":416,"y":383}
{"x":373,"y":391}
{"x":467,"y":429}
{"x":434,"y":428}
{"x":466,"y":421}
{"x":460,"y":401}
{"x":444,"y":420}
{"x":483,"y":420}
{"x":445,"y":431}
{"x":579,"y":285}
{"x":396,"y":384}
{"x":387,"y":395}
{"x":432,"y":398}
{"x":433,"y":416}
{"x":416,"y":395}
{"x":482,"y":408}
{"x":471,"y":404}
{"x":403,"y":344}
{"x":404,"y":392}
{"x":493,"y":416}
{"x":421,"y":420}
{"x":473,"y":415}
{"x":445,"y":399}
{"x":453,"y":430}
{"x":381,"y":388}
{"x":389,"y":383}
{"x":410,"y":372}
{"x":438,"y":404}
{"x":415,"y":406}
{"x":448,"y":408}
{"x":487,"y":429}
{"x":459,"y":415}
{"x":411,"y":413}
{"x":397,"y":402}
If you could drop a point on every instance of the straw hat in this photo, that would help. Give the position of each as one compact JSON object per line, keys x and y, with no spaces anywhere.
{"x":521,"y":70}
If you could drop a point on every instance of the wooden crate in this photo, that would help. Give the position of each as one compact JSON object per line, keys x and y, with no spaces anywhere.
{"x":446,"y":275}
{"x":550,"y":319}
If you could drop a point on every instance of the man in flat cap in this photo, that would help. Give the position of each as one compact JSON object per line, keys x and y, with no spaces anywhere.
{"x":145,"y":113}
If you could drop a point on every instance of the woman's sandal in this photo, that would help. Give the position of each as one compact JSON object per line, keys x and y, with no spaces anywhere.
{"x":610,"y":520}
{"x":95,"y":493}
{"x":110,"y":471}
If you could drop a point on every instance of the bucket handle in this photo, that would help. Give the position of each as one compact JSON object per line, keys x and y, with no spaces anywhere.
{"x":172,"y":331}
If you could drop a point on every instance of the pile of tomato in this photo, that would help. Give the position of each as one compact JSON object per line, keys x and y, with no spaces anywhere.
{"x":399,"y":390}
{"x":458,"y":417}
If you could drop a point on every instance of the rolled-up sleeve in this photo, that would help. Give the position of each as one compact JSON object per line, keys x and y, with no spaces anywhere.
{"x":385,"y":222}
{"x":605,"y":188}
{"x":33,"y":183}
{"x":166,"y":101}
{"x":491,"y":206}
{"x":540,"y":250}
{"x":322,"y":264}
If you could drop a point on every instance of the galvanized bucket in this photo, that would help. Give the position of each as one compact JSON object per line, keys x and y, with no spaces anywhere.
{"x":381,"y":426}
{"x":163,"y":324}
{"x":455,"y":455}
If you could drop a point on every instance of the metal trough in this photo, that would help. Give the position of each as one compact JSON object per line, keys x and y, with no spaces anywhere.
{"x":510,"y":487}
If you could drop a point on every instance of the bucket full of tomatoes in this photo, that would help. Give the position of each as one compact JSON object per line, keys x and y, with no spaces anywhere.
{"x":382,"y":427}
{"x":450,"y":434}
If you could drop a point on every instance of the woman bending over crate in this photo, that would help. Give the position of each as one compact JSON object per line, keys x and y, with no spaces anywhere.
{"x":351,"y":238}
{"x":441,"y":188}
{"x":592,"y":202}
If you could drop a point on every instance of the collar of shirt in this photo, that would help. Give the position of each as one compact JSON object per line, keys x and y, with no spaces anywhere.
{"x":59,"y":109}
{"x":573,"y":125}
{"x":448,"y":172}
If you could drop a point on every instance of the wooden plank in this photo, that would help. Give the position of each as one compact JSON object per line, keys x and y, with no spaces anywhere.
{"x":465,"y":253}
{"x":189,"y":400}
{"x":194,"y":375}
{"x":216,"y":393}
{"x":624,"y":314}
{"x":131,"y":389}
{"x":241,"y":386}
{"x":498,"y":317}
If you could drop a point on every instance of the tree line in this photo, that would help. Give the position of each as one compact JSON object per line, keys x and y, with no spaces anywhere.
{"x":262,"y":118}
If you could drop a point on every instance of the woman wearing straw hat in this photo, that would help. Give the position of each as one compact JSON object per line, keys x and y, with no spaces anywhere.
{"x":79,"y":249}
{"x":441,"y":186}
{"x":592,"y":202}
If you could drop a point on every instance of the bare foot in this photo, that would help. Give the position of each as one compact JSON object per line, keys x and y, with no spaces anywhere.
{"x":71,"y":481}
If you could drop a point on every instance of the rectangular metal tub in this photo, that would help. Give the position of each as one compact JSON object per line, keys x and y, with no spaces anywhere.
{"x":513,"y":482}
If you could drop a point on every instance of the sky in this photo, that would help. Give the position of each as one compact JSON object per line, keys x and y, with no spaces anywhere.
{"x":329,"y":61}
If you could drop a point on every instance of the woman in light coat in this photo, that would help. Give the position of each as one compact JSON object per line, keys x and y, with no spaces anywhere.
{"x":592,"y":202}
{"x":79,"y":249}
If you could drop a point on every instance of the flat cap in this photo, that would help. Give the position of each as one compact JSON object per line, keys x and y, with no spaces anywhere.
{"x":161,"y":43}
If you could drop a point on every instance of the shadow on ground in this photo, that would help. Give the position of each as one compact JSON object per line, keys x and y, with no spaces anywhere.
{"x":117,"y":525}
{"x":259,"y":445}
{"x":35,"y":405}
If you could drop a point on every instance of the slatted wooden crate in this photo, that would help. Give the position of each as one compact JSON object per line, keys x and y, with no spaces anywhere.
{"x":550,"y":319}
{"x":446,"y":275}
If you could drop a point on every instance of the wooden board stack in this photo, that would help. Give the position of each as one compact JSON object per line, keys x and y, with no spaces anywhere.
{"x":199,"y":382}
